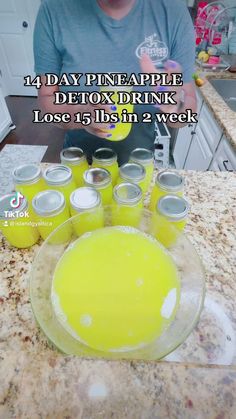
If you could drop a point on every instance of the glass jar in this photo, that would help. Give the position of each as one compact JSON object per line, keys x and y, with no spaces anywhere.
{"x":28,"y":180}
{"x":16,"y":224}
{"x":100,"y":179}
{"x":51,"y":211}
{"x":59,"y":177}
{"x":106,"y":158}
{"x":84,"y":201}
{"x":145,"y":158}
{"x":167,"y":182}
{"x":171,"y":216}
{"x":75,"y":158}
{"x":132,"y":173}
{"x":127,"y":202}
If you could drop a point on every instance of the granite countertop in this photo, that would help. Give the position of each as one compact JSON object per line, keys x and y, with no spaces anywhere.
{"x":196,"y":381}
{"x":225,"y":116}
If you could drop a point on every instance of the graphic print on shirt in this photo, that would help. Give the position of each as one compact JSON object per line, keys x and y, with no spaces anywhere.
{"x":156,"y":49}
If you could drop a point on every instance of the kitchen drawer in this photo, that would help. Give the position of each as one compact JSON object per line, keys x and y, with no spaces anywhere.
{"x":210,"y":129}
{"x":200,"y":155}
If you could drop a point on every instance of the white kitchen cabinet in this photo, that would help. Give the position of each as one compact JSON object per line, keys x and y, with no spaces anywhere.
{"x":224,"y":158}
{"x":5,"y":119}
{"x":202,"y":146}
{"x":199,"y":155}
{"x":184,"y":138}
{"x":209,"y":127}
{"x":182,"y":145}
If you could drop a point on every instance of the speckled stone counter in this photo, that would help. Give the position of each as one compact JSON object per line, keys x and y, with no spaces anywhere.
{"x":225,"y":116}
{"x":196,"y":381}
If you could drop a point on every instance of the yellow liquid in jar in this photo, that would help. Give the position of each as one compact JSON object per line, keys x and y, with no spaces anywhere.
{"x":29,"y":191}
{"x":127,"y":295}
{"x":19,"y":233}
{"x":113,"y":169}
{"x":149,"y":174}
{"x":106,"y":194}
{"x":124,"y":215}
{"x":166,"y":231}
{"x":148,"y":177}
{"x":65,"y":189}
{"x":78,"y":171}
{"x":122,"y":130}
{"x":46,"y":225}
{"x":157,"y":193}
{"x":87,"y":221}
{"x":141,"y":184}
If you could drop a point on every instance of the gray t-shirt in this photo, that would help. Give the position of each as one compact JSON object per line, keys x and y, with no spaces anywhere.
{"x":76,"y":36}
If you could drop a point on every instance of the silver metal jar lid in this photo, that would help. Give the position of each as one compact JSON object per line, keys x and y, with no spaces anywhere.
{"x":5,"y":205}
{"x":173,"y":207}
{"x":127,"y":194}
{"x":26,"y":174}
{"x":85,"y":198}
{"x":48,"y":203}
{"x":170,"y":181}
{"x":57,"y":175}
{"x":105,"y":155}
{"x":132,"y":172}
{"x":98,"y":178}
{"x":142,"y":156}
{"x":72,"y":155}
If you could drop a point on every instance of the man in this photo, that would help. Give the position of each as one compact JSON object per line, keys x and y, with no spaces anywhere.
{"x":101,"y":36}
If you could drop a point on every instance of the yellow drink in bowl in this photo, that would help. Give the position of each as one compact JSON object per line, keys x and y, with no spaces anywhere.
{"x":100,"y":179}
{"x":132,"y":173}
{"x":145,"y":158}
{"x":106,"y":158}
{"x":124,"y":299}
{"x":51,"y":211}
{"x":59,"y":178}
{"x":17,"y":225}
{"x":28,"y":180}
{"x":127,"y":200}
{"x":120,"y":130}
{"x":75,"y":158}
{"x":167,"y":182}
{"x":170,"y":219}
{"x":87,"y":202}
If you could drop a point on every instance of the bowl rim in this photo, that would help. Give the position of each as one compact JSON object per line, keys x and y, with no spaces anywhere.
{"x":105,"y":355}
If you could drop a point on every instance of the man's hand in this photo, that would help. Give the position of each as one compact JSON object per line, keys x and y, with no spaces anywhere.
{"x":185,"y":96}
{"x":46,"y":102}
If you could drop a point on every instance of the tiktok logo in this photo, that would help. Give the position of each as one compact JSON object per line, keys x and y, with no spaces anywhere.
{"x":17,"y":200}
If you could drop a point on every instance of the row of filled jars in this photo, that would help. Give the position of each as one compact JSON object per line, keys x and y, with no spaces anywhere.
{"x":72,"y":187}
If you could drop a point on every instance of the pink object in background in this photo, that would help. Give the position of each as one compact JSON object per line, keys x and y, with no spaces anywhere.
{"x":214,"y":60}
{"x":201,"y":32}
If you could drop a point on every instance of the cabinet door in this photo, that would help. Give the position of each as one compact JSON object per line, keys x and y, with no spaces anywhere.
{"x":184,"y":137}
{"x":182,"y":144}
{"x":225,"y":157}
{"x":17,"y":19}
{"x":5,"y":119}
{"x":210,"y":129}
{"x":200,"y":155}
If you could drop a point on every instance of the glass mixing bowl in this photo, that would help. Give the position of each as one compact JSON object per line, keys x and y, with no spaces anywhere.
{"x":190,"y":271}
